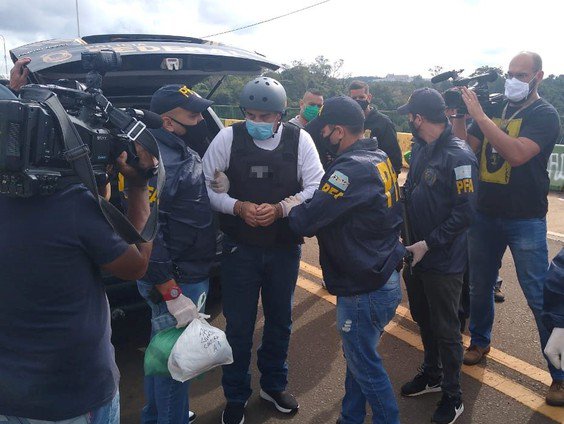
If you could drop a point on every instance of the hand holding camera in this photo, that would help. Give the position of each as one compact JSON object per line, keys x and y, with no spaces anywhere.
{"x":137,"y":175}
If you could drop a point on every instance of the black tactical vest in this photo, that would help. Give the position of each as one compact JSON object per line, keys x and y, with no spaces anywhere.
{"x":262,"y":176}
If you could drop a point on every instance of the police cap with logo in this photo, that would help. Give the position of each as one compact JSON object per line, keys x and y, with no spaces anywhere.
{"x":176,"y":95}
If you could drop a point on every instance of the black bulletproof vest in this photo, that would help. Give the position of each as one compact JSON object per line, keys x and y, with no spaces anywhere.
{"x":262,"y":176}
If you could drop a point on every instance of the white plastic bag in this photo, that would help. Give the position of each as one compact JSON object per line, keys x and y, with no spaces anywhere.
{"x":199,"y":348}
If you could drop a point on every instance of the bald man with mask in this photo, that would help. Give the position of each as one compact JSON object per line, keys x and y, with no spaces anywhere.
{"x":513,"y":149}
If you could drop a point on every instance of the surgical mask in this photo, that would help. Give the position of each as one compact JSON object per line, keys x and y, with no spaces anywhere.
{"x":310,"y":112}
{"x":332,"y":148}
{"x":363,"y":103}
{"x":260,"y":130}
{"x":517,"y":91}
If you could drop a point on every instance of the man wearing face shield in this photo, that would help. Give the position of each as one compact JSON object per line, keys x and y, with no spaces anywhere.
{"x":178,"y":275}
{"x":259,"y":167}
{"x":513,"y":149}
{"x":309,"y":108}
{"x":356,"y":216}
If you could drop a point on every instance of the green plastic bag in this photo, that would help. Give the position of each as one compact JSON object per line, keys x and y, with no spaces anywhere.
{"x":158,"y":351}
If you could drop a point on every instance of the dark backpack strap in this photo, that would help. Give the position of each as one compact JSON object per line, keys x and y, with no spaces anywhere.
{"x":77,"y":153}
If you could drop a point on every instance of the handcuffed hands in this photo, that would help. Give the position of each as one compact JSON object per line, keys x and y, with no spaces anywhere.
{"x":183,"y":309}
{"x":220,"y":182}
{"x":289,"y":202}
{"x":418,"y":250}
{"x":554,"y":349}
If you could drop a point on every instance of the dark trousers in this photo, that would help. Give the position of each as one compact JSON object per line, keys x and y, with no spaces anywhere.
{"x":434,"y":301}
{"x":247,"y":272}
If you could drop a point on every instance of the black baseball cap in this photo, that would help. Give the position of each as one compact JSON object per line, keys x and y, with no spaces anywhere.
{"x":172,"y":96}
{"x":341,"y":110}
{"x":427,"y":102}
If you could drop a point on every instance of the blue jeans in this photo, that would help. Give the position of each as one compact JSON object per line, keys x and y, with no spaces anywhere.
{"x":488,"y":238}
{"x":105,"y":414}
{"x":247,"y":272}
{"x":167,"y":399}
{"x":361,"y":320}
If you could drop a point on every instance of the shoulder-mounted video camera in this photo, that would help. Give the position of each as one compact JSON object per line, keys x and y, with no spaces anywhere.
{"x":477,"y":83}
{"x":34,"y":158}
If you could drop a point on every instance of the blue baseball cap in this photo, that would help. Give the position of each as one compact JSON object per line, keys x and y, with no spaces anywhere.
{"x":172,"y":96}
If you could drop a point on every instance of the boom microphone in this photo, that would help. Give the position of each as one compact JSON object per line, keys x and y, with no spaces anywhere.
{"x":446,"y":75}
{"x":490,"y":76}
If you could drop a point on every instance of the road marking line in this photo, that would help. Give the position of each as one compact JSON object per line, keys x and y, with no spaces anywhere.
{"x":553,"y":235}
{"x":498,"y":382}
{"x":497,"y":355}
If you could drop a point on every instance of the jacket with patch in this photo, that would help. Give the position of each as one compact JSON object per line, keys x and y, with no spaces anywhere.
{"x":440,"y":195}
{"x":356,"y":216}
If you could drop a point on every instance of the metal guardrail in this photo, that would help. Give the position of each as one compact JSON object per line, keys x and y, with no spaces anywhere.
{"x":555,"y":167}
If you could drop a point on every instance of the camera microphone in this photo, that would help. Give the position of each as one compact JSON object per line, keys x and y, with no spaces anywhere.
{"x":151,"y":119}
{"x":445,"y":75}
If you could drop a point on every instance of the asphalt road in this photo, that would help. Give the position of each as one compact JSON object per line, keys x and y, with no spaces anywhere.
{"x":317,"y":367}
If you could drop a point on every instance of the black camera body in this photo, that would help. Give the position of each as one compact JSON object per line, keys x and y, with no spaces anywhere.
{"x":33,"y":157}
{"x":477,"y":83}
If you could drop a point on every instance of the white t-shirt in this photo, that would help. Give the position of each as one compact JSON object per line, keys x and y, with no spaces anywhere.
{"x":310,"y":170}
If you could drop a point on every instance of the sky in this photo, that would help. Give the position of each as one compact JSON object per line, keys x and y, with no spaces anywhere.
{"x":373,"y":38}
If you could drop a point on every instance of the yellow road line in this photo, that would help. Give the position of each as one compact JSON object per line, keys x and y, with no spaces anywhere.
{"x":497,"y":355}
{"x":500,"y":383}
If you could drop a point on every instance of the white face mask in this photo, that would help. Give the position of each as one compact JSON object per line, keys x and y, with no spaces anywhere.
{"x":516,"y":90}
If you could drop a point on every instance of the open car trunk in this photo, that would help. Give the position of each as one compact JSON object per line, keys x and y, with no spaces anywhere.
{"x":148,"y":62}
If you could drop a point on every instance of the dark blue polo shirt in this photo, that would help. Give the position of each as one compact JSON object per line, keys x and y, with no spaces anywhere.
{"x":56,"y":358}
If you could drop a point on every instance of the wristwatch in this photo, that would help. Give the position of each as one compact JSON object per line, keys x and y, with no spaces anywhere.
{"x":172,"y":293}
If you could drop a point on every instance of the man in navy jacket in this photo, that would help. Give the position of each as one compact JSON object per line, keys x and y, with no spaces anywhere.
{"x":356,"y":216}
{"x":439,"y":194}
{"x":178,"y":276}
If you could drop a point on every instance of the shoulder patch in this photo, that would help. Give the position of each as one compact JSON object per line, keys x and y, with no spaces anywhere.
{"x":462,"y":172}
{"x":339,"y":180}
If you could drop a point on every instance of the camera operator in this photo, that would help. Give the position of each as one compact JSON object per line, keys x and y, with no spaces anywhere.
{"x":513,"y":151}
{"x":57,"y":361}
{"x":439,"y":194}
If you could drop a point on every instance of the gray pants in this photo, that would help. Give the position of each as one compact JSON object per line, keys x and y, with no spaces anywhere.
{"x":434,"y":301}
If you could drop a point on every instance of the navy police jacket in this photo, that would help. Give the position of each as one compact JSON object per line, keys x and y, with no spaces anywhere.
{"x":440,"y":196}
{"x":356,"y":216}
{"x":553,"y":309}
{"x":185,"y":245}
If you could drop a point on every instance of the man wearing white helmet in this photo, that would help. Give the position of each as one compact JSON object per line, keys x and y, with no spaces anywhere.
{"x":253,"y":168}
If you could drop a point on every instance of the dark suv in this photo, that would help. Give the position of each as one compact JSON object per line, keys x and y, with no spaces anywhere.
{"x":148,"y":62}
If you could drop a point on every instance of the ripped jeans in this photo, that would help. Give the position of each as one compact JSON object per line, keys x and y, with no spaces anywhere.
{"x":361,"y":320}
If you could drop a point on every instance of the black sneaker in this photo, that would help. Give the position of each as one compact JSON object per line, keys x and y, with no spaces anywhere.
{"x":449,"y":409}
{"x":234,"y":413}
{"x":283,"y":401}
{"x":499,"y":297}
{"x":191,"y":417}
{"x":421,"y":384}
